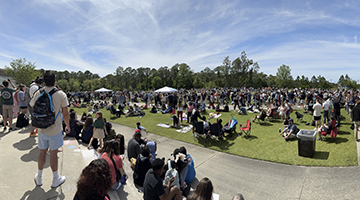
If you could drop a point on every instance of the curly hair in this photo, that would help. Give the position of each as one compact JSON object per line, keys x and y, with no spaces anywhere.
{"x":203,"y":190}
{"x":95,"y":180}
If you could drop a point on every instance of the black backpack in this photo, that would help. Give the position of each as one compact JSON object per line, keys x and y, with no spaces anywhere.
{"x":43,"y":114}
{"x":22,"y":121}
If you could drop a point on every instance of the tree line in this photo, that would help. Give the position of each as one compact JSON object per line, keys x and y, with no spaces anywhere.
{"x":240,"y":72}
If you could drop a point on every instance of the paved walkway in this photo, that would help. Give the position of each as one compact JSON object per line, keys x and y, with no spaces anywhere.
{"x":229,"y":174}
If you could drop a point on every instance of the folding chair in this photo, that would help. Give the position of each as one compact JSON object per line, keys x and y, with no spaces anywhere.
{"x":245,"y":130}
{"x":299,"y":116}
{"x":215,"y":131}
{"x":199,"y":128}
{"x":332,"y":132}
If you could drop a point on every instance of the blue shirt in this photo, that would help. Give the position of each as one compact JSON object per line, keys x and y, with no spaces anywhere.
{"x":191,"y":170}
{"x":293,"y":127}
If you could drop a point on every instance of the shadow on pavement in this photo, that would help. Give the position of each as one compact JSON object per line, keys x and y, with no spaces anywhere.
{"x":25,"y":144}
{"x":25,"y":130}
{"x":33,"y":155}
{"x":321,"y":155}
{"x":121,"y":193}
{"x":38,"y":193}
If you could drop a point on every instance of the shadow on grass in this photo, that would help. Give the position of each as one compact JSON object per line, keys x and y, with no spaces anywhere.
{"x":344,"y":133}
{"x":250,"y":137}
{"x":336,"y":140}
{"x":266,"y":124}
{"x":321,"y":155}
{"x":209,"y":142}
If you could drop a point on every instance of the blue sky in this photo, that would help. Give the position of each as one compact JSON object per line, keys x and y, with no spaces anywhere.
{"x":312,"y":37}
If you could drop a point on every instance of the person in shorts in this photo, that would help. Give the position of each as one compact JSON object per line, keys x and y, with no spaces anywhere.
{"x":317,"y":113}
{"x":8,"y":103}
{"x":51,"y":138}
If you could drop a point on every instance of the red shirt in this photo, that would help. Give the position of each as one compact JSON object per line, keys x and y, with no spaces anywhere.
{"x":118,"y":163}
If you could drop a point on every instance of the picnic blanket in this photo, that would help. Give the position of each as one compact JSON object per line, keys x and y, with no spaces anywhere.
{"x":163,"y":125}
{"x":185,"y":129}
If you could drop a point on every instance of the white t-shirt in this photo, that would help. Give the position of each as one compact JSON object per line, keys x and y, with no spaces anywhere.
{"x":59,"y":101}
{"x":326,"y":105}
{"x":317,"y":109}
{"x":32,"y":89}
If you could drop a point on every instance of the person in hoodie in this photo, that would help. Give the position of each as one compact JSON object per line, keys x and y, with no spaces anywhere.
{"x":142,"y":165}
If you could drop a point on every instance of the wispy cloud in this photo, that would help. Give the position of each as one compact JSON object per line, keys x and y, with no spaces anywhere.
{"x":100,"y":35}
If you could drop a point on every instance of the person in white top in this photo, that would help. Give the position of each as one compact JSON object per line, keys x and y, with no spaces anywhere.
{"x":326,"y":106}
{"x":317,"y":113}
{"x":32,"y":89}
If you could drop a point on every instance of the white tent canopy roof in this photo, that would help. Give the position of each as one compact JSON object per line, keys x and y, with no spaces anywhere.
{"x":166,"y":90}
{"x":103,"y":90}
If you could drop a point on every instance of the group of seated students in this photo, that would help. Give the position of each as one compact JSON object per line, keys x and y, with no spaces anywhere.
{"x":226,"y":108}
{"x":106,"y":173}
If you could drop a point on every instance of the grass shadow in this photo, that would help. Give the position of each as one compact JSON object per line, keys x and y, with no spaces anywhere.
{"x":343,"y":133}
{"x":321,"y":155}
{"x":250,"y":137}
{"x":266,"y":124}
{"x":336,"y":140}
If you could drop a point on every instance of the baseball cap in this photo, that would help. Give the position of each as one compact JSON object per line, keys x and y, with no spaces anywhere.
{"x":138,"y":132}
{"x":291,"y":120}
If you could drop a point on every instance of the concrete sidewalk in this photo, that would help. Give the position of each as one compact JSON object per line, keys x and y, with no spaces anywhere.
{"x":229,"y":174}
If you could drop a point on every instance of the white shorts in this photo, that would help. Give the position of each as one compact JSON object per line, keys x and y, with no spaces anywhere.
{"x":50,"y":142}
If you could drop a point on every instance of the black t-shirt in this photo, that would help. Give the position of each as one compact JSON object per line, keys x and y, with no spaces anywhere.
{"x":153,"y":187}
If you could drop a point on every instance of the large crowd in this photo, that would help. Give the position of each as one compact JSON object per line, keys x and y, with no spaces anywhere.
{"x":156,"y":178}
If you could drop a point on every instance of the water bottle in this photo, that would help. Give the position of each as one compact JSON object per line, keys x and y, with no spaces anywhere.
{"x":279,"y":130}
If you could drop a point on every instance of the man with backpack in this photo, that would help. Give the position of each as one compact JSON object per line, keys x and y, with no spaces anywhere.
{"x":48,"y":103}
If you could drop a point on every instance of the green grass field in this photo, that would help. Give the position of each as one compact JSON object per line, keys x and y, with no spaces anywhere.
{"x":265,"y":143}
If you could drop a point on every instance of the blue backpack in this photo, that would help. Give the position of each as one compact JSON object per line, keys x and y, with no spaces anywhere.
{"x":43,"y":114}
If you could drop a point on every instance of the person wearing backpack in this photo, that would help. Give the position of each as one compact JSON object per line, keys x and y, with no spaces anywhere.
{"x":51,"y":137}
{"x":8,"y":103}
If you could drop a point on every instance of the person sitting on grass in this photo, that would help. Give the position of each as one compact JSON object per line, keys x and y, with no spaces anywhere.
{"x":226,"y":108}
{"x":325,"y":128}
{"x":153,"y":109}
{"x":290,"y":131}
{"x":195,"y":116}
{"x":261,"y":116}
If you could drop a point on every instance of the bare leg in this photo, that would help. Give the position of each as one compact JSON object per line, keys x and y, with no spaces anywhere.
{"x":91,"y":140}
{"x":42,"y":159}
{"x":54,"y":160}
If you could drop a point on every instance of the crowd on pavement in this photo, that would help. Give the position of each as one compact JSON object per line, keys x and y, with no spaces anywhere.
{"x":156,"y":178}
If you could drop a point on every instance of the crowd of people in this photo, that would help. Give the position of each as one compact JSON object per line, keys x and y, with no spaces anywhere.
{"x":157,"y":178}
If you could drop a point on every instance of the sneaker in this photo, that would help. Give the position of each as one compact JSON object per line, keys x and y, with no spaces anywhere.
{"x":11,"y":129}
{"x":319,"y":138}
{"x":252,"y":119}
{"x":4,"y":129}
{"x":33,"y":134}
{"x":58,"y":182}
{"x":38,"y":180}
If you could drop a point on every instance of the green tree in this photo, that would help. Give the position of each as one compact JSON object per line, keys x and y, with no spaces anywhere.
{"x":184,"y":78}
{"x":156,"y":82}
{"x":63,"y":84}
{"x":22,"y":71}
{"x":283,"y":77}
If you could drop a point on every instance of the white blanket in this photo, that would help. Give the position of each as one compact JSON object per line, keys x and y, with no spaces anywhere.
{"x":164,"y":125}
{"x":185,"y":129}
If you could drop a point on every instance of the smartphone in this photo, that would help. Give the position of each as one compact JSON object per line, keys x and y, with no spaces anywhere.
{"x":170,"y":175}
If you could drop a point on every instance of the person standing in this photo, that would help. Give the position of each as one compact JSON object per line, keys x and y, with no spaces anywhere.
{"x":51,"y":138}
{"x":326,"y":106}
{"x":22,"y":104}
{"x":356,"y":120}
{"x":8,"y":103}
{"x":32,"y":89}
{"x":317,"y":113}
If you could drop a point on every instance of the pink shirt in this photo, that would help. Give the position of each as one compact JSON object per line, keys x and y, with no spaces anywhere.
{"x":118,"y":163}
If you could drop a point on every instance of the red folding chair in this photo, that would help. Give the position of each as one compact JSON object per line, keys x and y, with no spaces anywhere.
{"x":246,"y":130}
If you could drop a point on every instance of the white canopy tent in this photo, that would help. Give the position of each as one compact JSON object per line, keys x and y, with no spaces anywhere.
{"x":103,"y":90}
{"x":166,"y":90}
